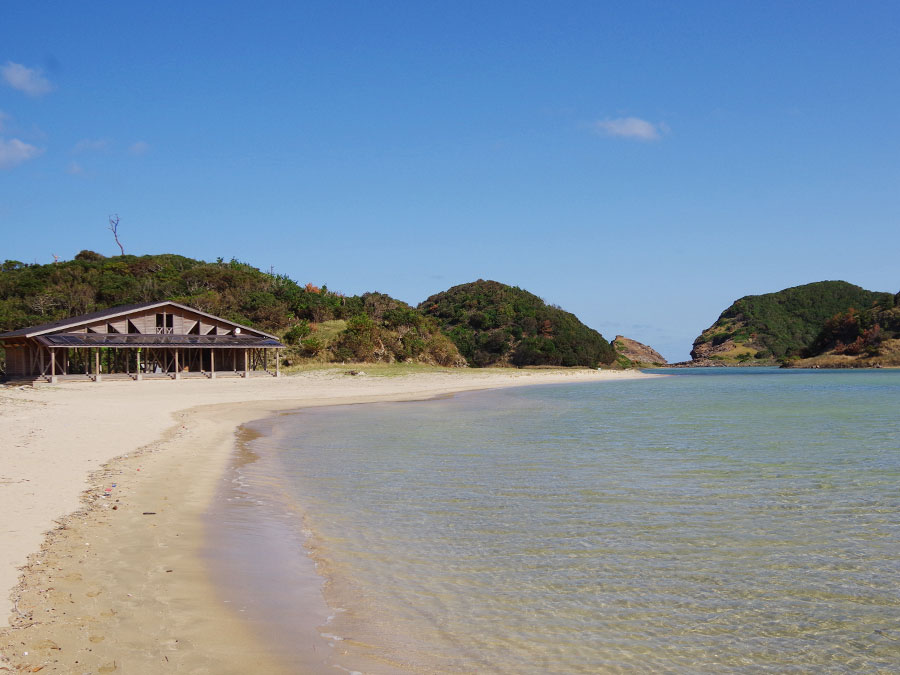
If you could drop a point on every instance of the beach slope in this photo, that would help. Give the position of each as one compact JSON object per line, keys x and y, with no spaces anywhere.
{"x":102,"y":492}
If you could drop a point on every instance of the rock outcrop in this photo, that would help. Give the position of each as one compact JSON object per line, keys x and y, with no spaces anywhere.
{"x":637,"y":352}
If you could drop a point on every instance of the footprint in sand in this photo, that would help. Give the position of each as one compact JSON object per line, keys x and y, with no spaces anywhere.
{"x":108,"y":668}
{"x":93,"y":594}
{"x":96,"y":638}
{"x":109,"y":612}
{"x":75,"y":576}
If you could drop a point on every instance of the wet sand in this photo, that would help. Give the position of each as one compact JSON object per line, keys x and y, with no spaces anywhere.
{"x":104,"y":487}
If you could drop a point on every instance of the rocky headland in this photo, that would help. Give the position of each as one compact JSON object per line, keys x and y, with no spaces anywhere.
{"x":639,"y":354}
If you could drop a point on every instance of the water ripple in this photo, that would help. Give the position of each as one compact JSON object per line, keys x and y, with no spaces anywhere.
{"x":691,"y":524}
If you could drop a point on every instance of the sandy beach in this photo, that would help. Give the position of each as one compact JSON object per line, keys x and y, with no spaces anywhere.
{"x":103,"y":488}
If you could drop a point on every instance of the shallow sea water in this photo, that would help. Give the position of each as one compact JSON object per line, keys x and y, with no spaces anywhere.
{"x":718,"y":521}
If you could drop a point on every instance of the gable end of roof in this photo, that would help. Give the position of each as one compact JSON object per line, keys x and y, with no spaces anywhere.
{"x":113,"y":312}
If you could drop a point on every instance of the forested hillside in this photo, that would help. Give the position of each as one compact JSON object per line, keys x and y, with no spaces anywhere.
{"x":378,"y":328}
{"x":34,"y":294}
{"x":492,"y":323}
{"x":798,"y":322}
{"x":869,"y":337}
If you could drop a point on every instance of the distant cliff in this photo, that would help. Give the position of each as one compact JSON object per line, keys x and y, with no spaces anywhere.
{"x":639,"y":354}
{"x":806,"y":325}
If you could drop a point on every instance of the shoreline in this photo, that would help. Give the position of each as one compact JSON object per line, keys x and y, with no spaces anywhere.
{"x":120,"y":585}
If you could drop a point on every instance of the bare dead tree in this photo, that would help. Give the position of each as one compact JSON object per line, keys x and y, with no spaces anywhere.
{"x":42,"y":303}
{"x":114,"y":228}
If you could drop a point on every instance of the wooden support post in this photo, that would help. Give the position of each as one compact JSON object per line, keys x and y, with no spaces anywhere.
{"x":277,"y":363}
{"x":41,"y":352}
{"x":212,"y":363}
{"x":97,"y":376}
{"x":246,"y":363}
{"x":177,"y":371}
{"x":138,"y":376}
{"x":52,"y":366}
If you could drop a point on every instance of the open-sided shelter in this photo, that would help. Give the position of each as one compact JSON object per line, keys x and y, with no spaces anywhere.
{"x":154,"y":338}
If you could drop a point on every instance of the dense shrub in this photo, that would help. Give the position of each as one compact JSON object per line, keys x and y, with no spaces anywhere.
{"x":393,"y":331}
{"x":359,"y":341}
{"x":90,"y":256}
{"x":35,"y":294}
{"x":794,"y":322}
{"x":298,"y":332}
{"x":492,"y":323}
{"x":379,"y":327}
{"x":312,"y":346}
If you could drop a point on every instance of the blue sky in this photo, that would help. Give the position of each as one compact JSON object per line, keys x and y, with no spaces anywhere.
{"x":641,"y":164}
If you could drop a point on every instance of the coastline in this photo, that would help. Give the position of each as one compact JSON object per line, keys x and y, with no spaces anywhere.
{"x":120,"y":584}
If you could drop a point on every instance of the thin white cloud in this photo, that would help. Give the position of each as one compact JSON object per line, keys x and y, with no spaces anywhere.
{"x":139,"y":148}
{"x":90,"y":145}
{"x":3,"y":117}
{"x":13,"y":152}
{"x":75,"y":169}
{"x":28,"y":80}
{"x":630,"y":127}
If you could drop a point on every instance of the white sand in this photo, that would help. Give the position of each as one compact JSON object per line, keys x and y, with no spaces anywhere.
{"x":56,"y":436}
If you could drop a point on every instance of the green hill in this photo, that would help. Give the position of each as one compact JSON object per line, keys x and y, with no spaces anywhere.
{"x":37,"y":294}
{"x":787,"y":324}
{"x":495,"y":324}
{"x":34,"y":294}
{"x":870,"y":337}
{"x":389,"y":330}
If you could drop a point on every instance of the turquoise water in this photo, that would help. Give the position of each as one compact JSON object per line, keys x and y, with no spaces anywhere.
{"x":714,"y":521}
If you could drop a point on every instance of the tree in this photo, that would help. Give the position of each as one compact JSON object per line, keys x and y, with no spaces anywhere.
{"x":114,"y":227}
{"x":90,"y":256}
{"x":42,"y":303}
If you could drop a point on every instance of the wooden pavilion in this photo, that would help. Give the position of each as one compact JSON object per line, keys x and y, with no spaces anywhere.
{"x":153,"y":339}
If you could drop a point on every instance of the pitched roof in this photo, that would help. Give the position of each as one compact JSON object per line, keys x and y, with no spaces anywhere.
{"x":62,"y":324}
{"x":125,"y":340}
